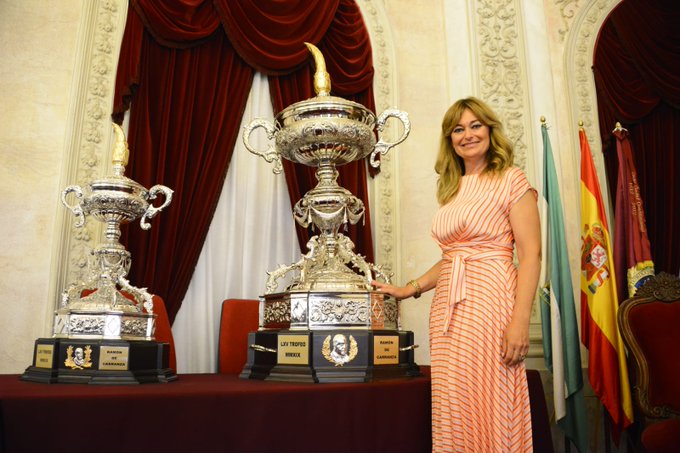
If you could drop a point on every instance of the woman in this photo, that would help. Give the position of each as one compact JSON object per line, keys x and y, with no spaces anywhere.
{"x":479,"y":319}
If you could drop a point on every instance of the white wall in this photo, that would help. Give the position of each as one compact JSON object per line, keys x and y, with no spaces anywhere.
{"x":38,"y":52}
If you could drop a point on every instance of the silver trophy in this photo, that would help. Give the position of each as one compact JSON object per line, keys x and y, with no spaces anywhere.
{"x":106,"y":305}
{"x":331,"y":284}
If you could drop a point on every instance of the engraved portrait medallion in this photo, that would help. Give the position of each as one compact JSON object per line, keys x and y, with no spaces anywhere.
{"x":78,"y":358}
{"x":339,"y":350}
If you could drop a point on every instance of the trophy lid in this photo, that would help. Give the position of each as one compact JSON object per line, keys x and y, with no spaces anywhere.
{"x":323,"y":105}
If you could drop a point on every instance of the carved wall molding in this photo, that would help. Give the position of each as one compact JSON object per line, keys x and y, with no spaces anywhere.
{"x":568,"y":10}
{"x":89,"y":131}
{"x":579,"y":52}
{"x":384,"y":209}
{"x":501,"y":68}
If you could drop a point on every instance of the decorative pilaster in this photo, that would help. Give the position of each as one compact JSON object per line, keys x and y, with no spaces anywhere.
{"x":579,"y":56}
{"x":89,"y":126}
{"x":384,"y":210}
{"x":502,"y":75}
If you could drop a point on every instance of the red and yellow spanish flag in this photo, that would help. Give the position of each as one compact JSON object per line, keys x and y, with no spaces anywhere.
{"x":607,"y":369}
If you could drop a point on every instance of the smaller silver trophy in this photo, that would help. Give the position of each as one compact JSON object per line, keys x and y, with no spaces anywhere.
{"x":106,"y":311}
{"x":104,"y":327}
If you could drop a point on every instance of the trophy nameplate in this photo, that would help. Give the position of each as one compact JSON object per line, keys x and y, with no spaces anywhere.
{"x":44,"y":355}
{"x":114,"y":358}
{"x":293,"y":350}
{"x":386,"y":350}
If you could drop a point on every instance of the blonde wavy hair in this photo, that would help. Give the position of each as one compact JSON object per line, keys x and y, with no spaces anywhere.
{"x":449,"y":165}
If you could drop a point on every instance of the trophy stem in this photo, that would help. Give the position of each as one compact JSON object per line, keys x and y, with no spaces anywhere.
{"x":112,"y":233}
{"x":327,"y":174}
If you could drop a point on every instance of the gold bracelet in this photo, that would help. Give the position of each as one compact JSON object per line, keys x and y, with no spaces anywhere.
{"x":415,"y":284}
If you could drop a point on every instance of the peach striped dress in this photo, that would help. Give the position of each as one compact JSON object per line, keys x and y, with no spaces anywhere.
{"x":478,"y":403}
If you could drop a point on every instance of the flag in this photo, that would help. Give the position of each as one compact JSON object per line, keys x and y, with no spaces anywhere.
{"x":607,"y":370}
{"x":561,"y":344}
{"x":632,"y":255}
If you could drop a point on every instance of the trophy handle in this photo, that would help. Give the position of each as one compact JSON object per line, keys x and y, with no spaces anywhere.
{"x":77,"y":209}
{"x":382,"y":147}
{"x":271,"y":154}
{"x":152,"y":210}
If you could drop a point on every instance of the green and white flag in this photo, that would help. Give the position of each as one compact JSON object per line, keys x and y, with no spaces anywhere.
{"x":561,"y":341}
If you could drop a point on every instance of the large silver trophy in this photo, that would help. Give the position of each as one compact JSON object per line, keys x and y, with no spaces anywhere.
{"x":104,"y":327}
{"x":328,"y":324}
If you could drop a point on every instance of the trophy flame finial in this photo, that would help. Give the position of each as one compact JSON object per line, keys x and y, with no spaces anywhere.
{"x":121,"y":152}
{"x":322,"y":80}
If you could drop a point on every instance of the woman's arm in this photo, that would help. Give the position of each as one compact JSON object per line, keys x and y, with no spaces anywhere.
{"x":425,"y":282}
{"x":526,"y":230}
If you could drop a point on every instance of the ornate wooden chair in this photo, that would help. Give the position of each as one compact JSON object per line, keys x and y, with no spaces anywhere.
{"x":650,"y":327}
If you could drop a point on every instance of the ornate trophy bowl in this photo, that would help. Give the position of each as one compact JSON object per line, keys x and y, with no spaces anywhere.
{"x":331,"y":287}
{"x":96,"y":308}
{"x":327,"y":129}
{"x":116,"y":200}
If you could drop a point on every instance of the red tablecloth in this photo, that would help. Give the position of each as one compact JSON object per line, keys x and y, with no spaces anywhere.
{"x":216,"y":413}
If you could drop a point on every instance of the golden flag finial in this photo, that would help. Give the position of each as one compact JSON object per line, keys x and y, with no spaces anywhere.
{"x":619,"y":128}
{"x":542,"y":119}
{"x":322,"y":80}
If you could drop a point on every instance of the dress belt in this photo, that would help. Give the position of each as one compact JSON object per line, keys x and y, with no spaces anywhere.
{"x":460,"y":255}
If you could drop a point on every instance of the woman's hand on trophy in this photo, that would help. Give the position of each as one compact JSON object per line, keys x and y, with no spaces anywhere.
{"x":398,"y":292}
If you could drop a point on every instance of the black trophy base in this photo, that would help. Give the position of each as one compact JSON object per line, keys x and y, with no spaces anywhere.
{"x":104,"y":362}
{"x":324,"y":356}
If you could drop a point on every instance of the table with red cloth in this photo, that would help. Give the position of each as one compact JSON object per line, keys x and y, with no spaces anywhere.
{"x":216,"y":413}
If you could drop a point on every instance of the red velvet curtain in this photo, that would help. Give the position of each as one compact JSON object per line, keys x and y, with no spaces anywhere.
{"x":637,"y":78}
{"x":186,"y":67}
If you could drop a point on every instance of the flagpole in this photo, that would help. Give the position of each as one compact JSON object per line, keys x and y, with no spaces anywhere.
{"x":606,"y":419}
